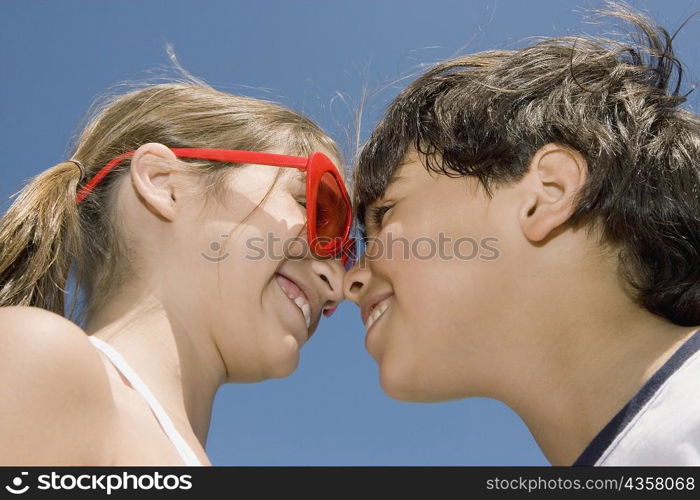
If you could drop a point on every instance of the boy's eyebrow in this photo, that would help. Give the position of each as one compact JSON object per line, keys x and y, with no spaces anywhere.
{"x":394,"y":180}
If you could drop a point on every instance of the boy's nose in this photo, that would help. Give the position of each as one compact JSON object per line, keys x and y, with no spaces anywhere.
{"x":355,"y":280}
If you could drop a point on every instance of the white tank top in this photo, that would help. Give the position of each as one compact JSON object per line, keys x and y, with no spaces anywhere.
{"x":188,"y":456}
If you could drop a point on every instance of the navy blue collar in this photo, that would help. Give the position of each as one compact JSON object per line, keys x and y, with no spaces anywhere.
{"x":605,"y":437}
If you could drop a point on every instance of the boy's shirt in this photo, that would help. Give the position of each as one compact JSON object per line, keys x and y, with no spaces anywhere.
{"x":660,"y":425}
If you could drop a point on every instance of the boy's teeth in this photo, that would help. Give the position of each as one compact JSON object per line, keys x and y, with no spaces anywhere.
{"x":378,"y":311}
{"x":305,"y":308}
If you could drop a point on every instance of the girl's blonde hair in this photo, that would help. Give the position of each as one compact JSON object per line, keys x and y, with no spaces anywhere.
{"x":44,"y":232}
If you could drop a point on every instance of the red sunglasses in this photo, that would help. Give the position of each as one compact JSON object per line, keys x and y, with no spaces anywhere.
{"x":328,"y":205}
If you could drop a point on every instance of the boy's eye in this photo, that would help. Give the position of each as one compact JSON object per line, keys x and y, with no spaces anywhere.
{"x":377,"y":214}
{"x":302,"y":202}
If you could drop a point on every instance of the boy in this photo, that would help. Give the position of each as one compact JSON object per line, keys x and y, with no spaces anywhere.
{"x":573,"y":173}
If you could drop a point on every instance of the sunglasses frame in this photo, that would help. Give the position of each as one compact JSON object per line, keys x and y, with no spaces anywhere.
{"x":315,"y":166}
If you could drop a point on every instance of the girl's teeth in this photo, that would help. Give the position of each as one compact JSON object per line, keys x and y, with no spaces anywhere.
{"x":305,"y":308}
{"x":378,"y":311}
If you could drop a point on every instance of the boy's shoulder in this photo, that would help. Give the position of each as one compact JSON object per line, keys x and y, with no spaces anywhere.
{"x":660,"y":425}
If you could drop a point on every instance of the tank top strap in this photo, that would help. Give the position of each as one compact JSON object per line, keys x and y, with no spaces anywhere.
{"x":188,"y":456}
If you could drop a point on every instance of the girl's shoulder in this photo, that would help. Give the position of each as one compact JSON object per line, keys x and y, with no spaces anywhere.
{"x":57,"y":402}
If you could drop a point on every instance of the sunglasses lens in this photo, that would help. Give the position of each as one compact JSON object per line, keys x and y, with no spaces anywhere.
{"x":331,"y":210}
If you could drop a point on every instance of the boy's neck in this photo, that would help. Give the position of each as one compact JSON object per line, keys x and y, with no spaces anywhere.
{"x":584,"y":360}
{"x":576,"y":346}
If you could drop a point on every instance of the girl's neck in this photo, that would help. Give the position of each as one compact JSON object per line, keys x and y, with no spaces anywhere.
{"x":181,"y":371}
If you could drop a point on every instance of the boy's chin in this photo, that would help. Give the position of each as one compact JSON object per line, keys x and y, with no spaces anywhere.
{"x":404,"y":387}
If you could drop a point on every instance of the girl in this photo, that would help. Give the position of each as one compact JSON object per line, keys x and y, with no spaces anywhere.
{"x":194,"y":274}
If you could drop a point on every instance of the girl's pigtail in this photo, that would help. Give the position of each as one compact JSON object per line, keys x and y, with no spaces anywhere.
{"x":39,"y":237}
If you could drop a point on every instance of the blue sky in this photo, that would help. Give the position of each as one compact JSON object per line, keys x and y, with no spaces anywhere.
{"x":319,"y":58}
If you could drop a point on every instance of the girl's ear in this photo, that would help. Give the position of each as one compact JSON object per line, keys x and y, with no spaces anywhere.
{"x":151,"y":167}
{"x":555,"y":175}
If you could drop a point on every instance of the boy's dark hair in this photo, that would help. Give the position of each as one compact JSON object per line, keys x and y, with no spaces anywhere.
{"x":486,"y":114}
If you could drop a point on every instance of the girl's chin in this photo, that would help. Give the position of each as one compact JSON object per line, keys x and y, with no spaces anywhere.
{"x":283,"y":360}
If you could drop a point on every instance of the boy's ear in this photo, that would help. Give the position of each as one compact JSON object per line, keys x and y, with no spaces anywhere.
{"x":150,"y":176}
{"x":555,"y":175}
